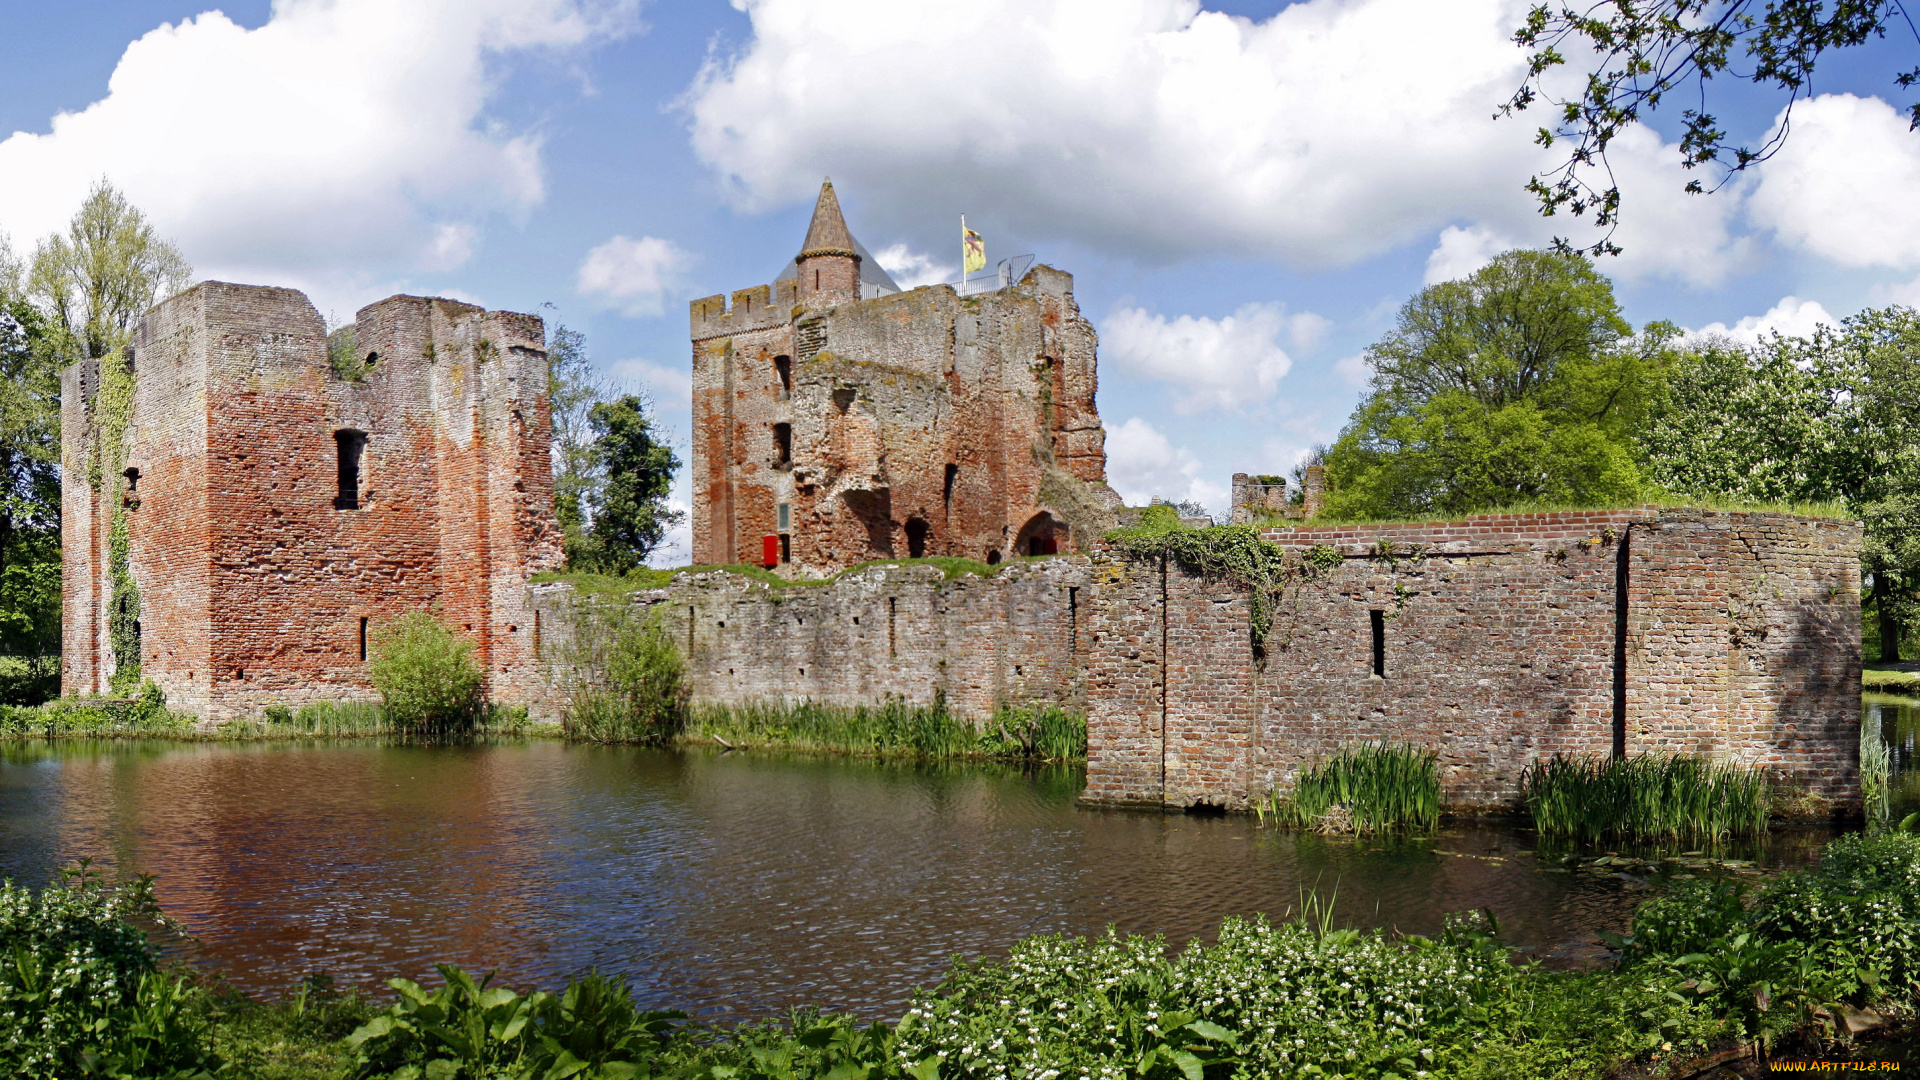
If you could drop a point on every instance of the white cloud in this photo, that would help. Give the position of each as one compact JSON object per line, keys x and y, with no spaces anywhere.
{"x":1142,"y":465}
{"x":668,"y":386}
{"x":1462,"y":251}
{"x":342,"y":140}
{"x":1230,"y":363}
{"x":1354,"y":370}
{"x":1843,"y":185}
{"x":633,"y":275}
{"x":912,"y":269}
{"x":1332,"y":131}
{"x":1792,"y":317}
{"x":676,"y":548}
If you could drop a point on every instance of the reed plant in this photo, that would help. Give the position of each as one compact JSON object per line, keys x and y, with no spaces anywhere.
{"x":893,"y":727}
{"x":1876,"y":771}
{"x":1365,"y":788}
{"x":1656,"y":797}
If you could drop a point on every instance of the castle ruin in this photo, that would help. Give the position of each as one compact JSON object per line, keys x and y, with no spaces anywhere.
{"x":837,"y":419}
{"x":242,"y":524}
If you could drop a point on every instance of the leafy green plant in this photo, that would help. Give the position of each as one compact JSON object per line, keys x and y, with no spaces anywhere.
{"x":1367,"y":788}
{"x":80,"y":993}
{"x":426,"y":676}
{"x":893,"y":727}
{"x":1649,"y":797}
{"x":1876,"y":772}
{"x":624,"y":680}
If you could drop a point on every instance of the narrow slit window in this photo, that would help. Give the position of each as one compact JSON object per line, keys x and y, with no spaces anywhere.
{"x":783,"y":366}
{"x":783,"y":444}
{"x":893,"y":616}
{"x":784,"y":514}
{"x":953,"y":474}
{"x":1379,"y":619}
{"x":786,"y":548}
{"x":363,"y":637}
{"x":350,"y":444}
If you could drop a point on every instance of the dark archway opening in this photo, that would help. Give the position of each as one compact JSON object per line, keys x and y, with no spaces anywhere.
{"x":1040,"y":536}
{"x":917,"y":532}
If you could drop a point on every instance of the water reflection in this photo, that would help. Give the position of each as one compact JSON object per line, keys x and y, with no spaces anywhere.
{"x":1900,"y":727}
{"x":718,"y":882}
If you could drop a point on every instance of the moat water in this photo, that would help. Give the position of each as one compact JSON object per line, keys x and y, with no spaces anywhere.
{"x":727,"y":884}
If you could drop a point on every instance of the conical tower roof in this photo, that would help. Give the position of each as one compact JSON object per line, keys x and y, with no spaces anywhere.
{"x":827,"y":234}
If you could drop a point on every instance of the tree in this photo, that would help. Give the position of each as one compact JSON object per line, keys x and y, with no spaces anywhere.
{"x":1824,"y":418}
{"x":572,"y":391}
{"x":1519,"y":384}
{"x":1647,"y":49}
{"x":94,"y":282}
{"x":633,"y":471}
{"x":29,"y":494}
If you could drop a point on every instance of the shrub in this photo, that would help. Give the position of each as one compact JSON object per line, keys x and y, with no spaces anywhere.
{"x":625,"y":681}
{"x":426,"y":676}
{"x":1372,"y":787}
{"x":79,"y":990}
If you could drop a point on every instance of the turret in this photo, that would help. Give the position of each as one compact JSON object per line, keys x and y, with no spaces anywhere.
{"x":829,"y":262}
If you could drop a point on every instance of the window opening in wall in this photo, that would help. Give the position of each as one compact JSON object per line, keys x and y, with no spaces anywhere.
{"x":953,"y":473}
{"x":786,"y":548}
{"x":784,"y":513}
{"x":893,"y":615}
{"x":783,"y":366}
{"x":1073,"y":617}
{"x":1379,"y":619}
{"x":133,"y":480}
{"x":783,"y":444}
{"x":350,"y":444}
{"x":917,"y":531}
{"x":993,"y":557}
{"x":363,"y":637}
{"x":843,"y":398}
{"x":536,"y":631}
{"x":372,"y":359}
{"x":130,"y":493}
{"x":816,"y":280}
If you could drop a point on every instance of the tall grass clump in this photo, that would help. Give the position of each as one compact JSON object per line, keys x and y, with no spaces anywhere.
{"x":894,"y":727}
{"x":426,"y":675}
{"x":1366,"y":788}
{"x":623,"y":679}
{"x":1042,"y":731}
{"x":1664,"y":797}
{"x":1876,"y":772}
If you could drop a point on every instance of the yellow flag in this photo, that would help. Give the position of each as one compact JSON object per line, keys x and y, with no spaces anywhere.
{"x":973,"y":250}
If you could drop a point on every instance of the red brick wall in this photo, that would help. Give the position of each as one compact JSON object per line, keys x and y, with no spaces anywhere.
{"x":1499,"y":648}
{"x":253,"y":583}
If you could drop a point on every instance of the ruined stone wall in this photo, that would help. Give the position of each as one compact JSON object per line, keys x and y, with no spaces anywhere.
{"x":906,"y":631}
{"x":1739,"y":632}
{"x":917,"y":423}
{"x":257,"y":588}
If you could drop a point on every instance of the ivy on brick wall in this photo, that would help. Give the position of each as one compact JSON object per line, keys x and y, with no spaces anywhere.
{"x":114,"y":409}
{"x":1234,"y":553}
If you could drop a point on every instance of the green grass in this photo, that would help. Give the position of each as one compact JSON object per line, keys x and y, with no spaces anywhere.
{"x":1367,"y":788}
{"x":892,"y":728}
{"x":112,"y":718}
{"x":1890,"y":680}
{"x":951,"y":567}
{"x":1651,"y":797}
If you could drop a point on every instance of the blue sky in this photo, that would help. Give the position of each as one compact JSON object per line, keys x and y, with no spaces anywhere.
{"x":1245,"y":194}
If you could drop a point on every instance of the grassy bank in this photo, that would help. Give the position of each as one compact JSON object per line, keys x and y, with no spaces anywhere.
{"x":107,"y":718}
{"x":893,"y":728}
{"x":1708,"y":967}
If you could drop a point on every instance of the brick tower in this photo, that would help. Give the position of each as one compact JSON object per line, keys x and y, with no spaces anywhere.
{"x":838,"y":419}
{"x":276,"y":513}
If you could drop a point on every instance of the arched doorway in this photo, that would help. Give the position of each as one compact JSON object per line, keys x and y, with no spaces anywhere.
{"x":1041,"y":535}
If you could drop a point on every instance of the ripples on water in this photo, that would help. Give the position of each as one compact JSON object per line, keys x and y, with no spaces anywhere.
{"x":728,"y":884}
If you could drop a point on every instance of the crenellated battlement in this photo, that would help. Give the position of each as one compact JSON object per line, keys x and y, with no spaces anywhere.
{"x":762,"y":307}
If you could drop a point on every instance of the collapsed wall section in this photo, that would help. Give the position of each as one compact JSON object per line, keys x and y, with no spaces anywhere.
{"x":885,"y":631}
{"x":1495,"y":641}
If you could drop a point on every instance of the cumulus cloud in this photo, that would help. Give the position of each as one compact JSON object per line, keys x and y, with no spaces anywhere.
{"x":633,"y":276}
{"x":1354,"y":370}
{"x":1792,"y":317}
{"x":912,"y":269}
{"x":1230,"y":363}
{"x":342,"y":139}
{"x":668,"y":386}
{"x":1331,"y":131}
{"x":1843,"y":185}
{"x":1462,"y":251}
{"x":1143,"y":465}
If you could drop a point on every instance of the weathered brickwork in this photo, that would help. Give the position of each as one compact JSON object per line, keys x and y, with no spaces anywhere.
{"x":898,"y":424}
{"x":904,"y":631}
{"x":1502,"y":640}
{"x":256,"y":580}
